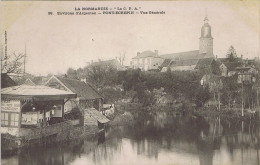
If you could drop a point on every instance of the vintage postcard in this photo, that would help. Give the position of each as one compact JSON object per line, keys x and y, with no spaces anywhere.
{"x":130,"y":82}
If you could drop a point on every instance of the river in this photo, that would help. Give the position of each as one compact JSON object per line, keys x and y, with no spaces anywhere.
{"x":157,"y":139}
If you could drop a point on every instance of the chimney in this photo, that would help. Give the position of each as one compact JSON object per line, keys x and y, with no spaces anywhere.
{"x":216,"y":56}
{"x":138,"y":53}
{"x":241,"y":56}
{"x":156,"y":52}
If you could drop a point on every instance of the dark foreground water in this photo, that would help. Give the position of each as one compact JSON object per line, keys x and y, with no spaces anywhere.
{"x":158,"y":139}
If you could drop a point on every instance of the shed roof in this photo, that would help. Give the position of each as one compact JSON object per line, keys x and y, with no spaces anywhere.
{"x":96,"y":115}
{"x":35,"y":93}
{"x":83,"y":90}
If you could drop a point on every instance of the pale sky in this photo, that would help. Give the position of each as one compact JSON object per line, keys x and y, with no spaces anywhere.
{"x":55,"y":43}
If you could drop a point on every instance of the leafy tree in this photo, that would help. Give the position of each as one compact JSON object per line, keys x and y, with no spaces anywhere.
{"x":229,"y":90}
{"x":101,"y":75}
{"x":72,"y":73}
{"x":202,"y":95}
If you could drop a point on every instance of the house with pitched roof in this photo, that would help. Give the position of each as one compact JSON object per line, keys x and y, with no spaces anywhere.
{"x":230,"y":63}
{"x":147,"y":60}
{"x":229,"y":68}
{"x":87,"y":96}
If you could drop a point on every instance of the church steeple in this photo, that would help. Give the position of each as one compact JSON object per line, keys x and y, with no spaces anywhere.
{"x":206,"y":29}
{"x":206,"y":20}
{"x":206,"y":40}
{"x":206,"y":17}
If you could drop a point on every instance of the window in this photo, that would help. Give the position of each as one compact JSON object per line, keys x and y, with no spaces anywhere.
{"x":14,"y":119}
{"x":58,"y":107}
{"x":4,"y":118}
{"x":9,"y":119}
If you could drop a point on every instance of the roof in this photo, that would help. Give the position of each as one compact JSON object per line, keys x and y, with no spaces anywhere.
{"x":243,"y":68}
{"x":206,"y":31}
{"x":96,"y":115}
{"x":184,"y":62}
{"x":145,"y":54}
{"x":35,"y":93}
{"x":194,"y":54}
{"x":28,"y":82}
{"x":40,"y":80}
{"x":83,"y":90}
{"x":166,"y":63}
{"x":231,"y":66}
{"x":230,"y":60}
{"x":204,"y":62}
{"x":6,"y":81}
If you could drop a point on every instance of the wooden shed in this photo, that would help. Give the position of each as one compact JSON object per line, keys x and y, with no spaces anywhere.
{"x":94,"y":117}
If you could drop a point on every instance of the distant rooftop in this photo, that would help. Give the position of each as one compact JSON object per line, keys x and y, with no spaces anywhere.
{"x":145,"y":54}
{"x":194,"y":54}
{"x":83,"y":90}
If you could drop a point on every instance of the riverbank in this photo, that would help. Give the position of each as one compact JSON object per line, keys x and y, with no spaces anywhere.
{"x":231,"y":114}
{"x":135,"y":109}
{"x":12,"y":145}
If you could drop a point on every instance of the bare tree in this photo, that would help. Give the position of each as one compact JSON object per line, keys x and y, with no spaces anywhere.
{"x":13,"y":63}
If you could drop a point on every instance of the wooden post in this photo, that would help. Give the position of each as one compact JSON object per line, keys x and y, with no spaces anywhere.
{"x":242,"y":142}
{"x":242,"y":98}
{"x":44,"y":118}
{"x":20,"y":119}
{"x":257,"y":98}
{"x":218,"y":101}
{"x":62,"y":109}
{"x":257,"y":155}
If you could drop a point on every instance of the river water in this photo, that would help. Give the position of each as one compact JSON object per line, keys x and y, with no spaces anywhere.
{"x":157,"y":139}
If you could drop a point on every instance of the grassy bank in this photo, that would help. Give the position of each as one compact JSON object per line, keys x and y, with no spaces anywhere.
{"x":126,"y":112}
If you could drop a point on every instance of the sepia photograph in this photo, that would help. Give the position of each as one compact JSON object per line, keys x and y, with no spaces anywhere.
{"x":130,"y":82}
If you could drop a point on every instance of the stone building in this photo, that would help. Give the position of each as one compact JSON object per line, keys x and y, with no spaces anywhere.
{"x":147,"y":60}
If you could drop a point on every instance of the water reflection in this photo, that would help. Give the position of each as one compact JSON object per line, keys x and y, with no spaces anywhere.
{"x":160,"y":138}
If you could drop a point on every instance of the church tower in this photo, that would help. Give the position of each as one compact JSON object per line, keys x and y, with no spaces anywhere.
{"x":206,"y":40}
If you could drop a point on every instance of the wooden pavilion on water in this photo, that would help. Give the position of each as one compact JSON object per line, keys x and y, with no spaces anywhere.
{"x":33,"y":113}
